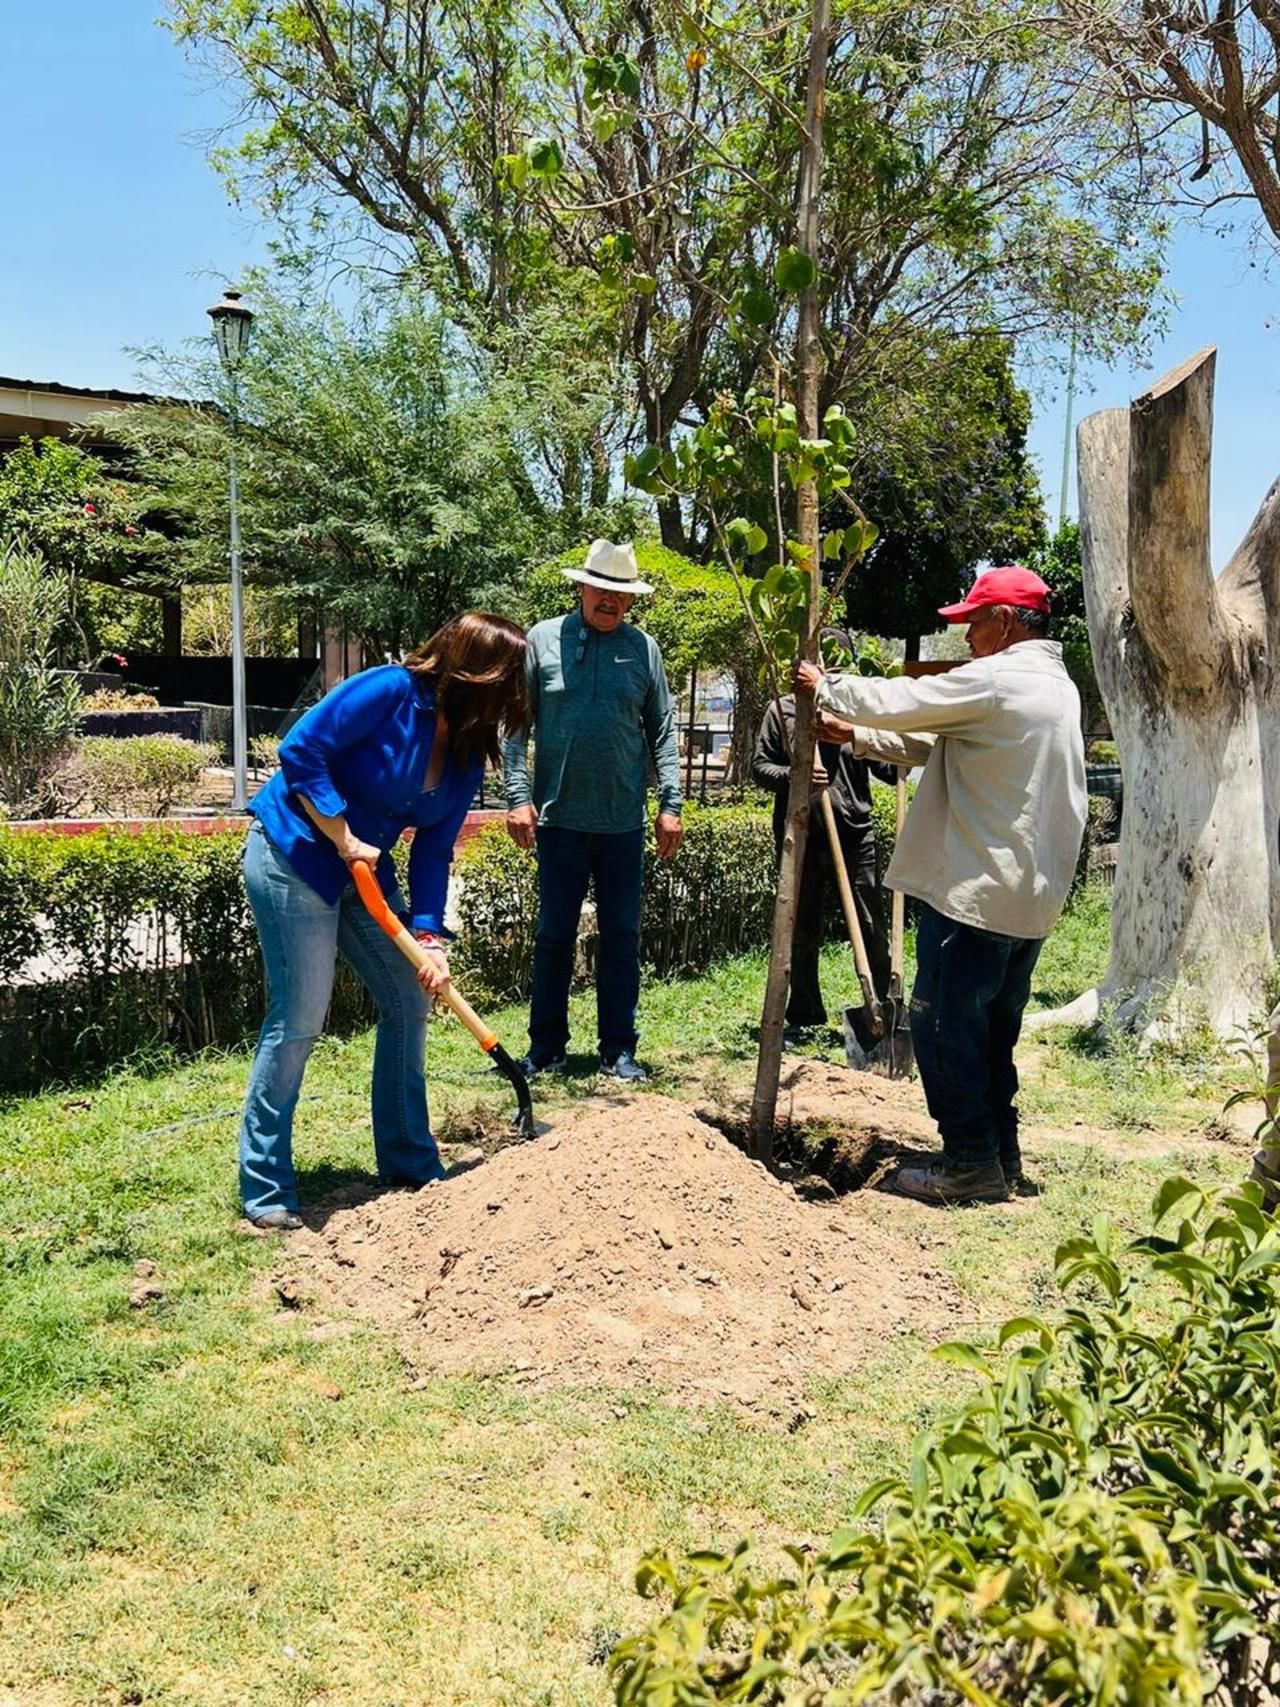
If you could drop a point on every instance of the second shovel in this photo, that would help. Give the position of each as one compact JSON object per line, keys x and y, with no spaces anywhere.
{"x":865,"y":1025}
{"x":894,"y":1055}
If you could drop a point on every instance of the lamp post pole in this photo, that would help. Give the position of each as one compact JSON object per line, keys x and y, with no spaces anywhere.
{"x":239,"y":709}
{"x":231,"y":323}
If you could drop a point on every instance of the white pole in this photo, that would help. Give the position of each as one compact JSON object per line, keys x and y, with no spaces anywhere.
{"x":1066,"y":437}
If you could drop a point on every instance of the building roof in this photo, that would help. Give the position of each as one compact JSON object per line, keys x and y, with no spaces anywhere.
{"x":43,"y":408}
{"x":55,"y":389}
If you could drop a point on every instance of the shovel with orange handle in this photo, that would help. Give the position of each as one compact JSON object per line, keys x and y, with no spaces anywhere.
{"x":376,"y":903}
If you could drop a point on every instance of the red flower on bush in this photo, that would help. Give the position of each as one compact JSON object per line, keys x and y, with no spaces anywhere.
{"x":131,"y":531}
{"x":91,"y":509}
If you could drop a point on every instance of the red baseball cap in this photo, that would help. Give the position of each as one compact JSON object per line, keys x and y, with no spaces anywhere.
{"x":1011,"y":585}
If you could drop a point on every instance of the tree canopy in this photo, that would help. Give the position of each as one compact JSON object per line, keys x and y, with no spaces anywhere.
{"x":951,"y":488}
{"x":634,"y":168}
{"x":77,"y":513}
{"x":380,"y":478}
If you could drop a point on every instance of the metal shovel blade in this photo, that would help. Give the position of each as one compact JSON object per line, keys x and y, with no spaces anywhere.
{"x":523,"y":1123}
{"x":861,"y":1039}
{"x":894,"y":1055}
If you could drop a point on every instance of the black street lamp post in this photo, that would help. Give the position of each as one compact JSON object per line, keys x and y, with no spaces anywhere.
{"x":231,"y":324}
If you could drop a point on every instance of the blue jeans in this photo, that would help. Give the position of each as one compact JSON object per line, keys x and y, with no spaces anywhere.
{"x":301,"y":936}
{"x":567,"y":861}
{"x":966,"y":1012}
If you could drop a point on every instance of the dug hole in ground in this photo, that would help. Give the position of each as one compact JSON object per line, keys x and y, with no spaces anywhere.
{"x":634,"y":1243}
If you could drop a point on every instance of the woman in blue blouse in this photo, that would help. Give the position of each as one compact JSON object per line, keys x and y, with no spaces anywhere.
{"x":398,"y":746}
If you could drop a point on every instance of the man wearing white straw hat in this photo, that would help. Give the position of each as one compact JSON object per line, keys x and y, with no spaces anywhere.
{"x":600,"y":711}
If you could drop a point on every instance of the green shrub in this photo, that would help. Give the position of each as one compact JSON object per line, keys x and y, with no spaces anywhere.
{"x":884,"y":820}
{"x":120,"y":699}
{"x":150,"y":941}
{"x":713,"y":899}
{"x":1098,"y":1525}
{"x":264,"y":753}
{"x":38,"y":709}
{"x":146,"y":774}
{"x":152,"y":948}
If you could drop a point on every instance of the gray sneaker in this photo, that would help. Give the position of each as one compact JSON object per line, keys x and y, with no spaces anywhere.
{"x":624,"y":1066}
{"x":945,"y":1184}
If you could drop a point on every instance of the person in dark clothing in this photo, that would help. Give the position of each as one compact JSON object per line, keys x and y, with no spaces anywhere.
{"x":848,"y":781}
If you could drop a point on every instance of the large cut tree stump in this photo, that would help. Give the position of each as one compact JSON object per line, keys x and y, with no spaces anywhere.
{"x":1187,"y":665}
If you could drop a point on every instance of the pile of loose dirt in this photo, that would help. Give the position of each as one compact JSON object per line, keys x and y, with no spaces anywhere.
{"x":633,"y":1244}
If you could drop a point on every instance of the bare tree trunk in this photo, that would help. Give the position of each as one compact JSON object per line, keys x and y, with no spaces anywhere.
{"x":1187,"y":669}
{"x":764,"y":1100}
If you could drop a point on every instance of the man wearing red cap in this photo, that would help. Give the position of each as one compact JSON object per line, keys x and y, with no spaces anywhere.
{"x":989,"y":850}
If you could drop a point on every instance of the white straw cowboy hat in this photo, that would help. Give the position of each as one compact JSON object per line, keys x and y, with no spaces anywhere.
{"x":610,"y":567}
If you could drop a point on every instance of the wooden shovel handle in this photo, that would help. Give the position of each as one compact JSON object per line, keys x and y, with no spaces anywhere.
{"x":854,"y":929}
{"x":899,"y":908}
{"x":367,"y":887}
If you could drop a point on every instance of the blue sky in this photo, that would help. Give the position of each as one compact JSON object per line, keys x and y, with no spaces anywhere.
{"x":117,"y":234}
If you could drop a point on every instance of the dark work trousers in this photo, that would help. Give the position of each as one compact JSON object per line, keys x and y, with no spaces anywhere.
{"x":966,"y":1012}
{"x":817,"y":879}
{"x":567,"y":861}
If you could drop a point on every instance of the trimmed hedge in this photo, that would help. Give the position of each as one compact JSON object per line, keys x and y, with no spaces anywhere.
{"x":714,"y":899}
{"x":152,"y":945}
{"x":1097,"y":1527}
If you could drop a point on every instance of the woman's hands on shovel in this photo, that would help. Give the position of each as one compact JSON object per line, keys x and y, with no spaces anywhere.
{"x":435,"y":974}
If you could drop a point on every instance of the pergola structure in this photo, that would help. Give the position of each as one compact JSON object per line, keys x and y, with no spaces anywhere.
{"x":43,"y":409}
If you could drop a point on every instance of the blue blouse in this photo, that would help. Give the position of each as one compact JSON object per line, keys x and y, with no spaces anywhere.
{"x":362,"y":752}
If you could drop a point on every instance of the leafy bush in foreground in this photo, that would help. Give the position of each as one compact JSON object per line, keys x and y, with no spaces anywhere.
{"x":1099,"y":1525}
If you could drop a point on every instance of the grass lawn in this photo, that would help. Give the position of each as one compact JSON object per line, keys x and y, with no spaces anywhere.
{"x":213,"y":1499}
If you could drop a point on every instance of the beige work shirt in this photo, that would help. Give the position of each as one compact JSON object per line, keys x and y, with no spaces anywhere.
{"x":994,"y":831}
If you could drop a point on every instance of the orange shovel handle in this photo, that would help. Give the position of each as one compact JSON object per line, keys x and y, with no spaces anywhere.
{"x":370,"y":892}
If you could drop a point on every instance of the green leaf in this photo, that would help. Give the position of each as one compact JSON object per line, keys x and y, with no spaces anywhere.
{"x":1025,"y":1325}
{"x":757,"y":306}
{"x":794,"y":270}
{"x":513,"y":170}
{"x":545,"y":158}
{"x":833,"y":543}
{"x":870,"y":1497}
{"x":648,"y":460}
{"x":1171,"y":1192}
{"x":968,"y":1356}
{"x":644,"y":284}
{"x":756,"y":540}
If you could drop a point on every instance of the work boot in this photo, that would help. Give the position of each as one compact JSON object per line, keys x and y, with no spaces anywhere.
{"x":945,"y":1183}
{"x":1011,"y":1166}
{"x":532,"y":1065}
{"x":277,"y":1221}
{"x":623,"y":1066}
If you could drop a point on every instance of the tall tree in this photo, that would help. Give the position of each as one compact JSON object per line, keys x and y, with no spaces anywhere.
{"x":950,"y":486}
{"x":1216,"y":65}
{"x":636,"y":160}
{"x":383,"y":478}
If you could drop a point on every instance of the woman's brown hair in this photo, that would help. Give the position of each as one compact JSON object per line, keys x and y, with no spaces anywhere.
{"x":475,"y":663}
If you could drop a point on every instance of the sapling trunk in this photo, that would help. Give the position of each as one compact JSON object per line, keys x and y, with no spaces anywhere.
{"x":764,"y":1100}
